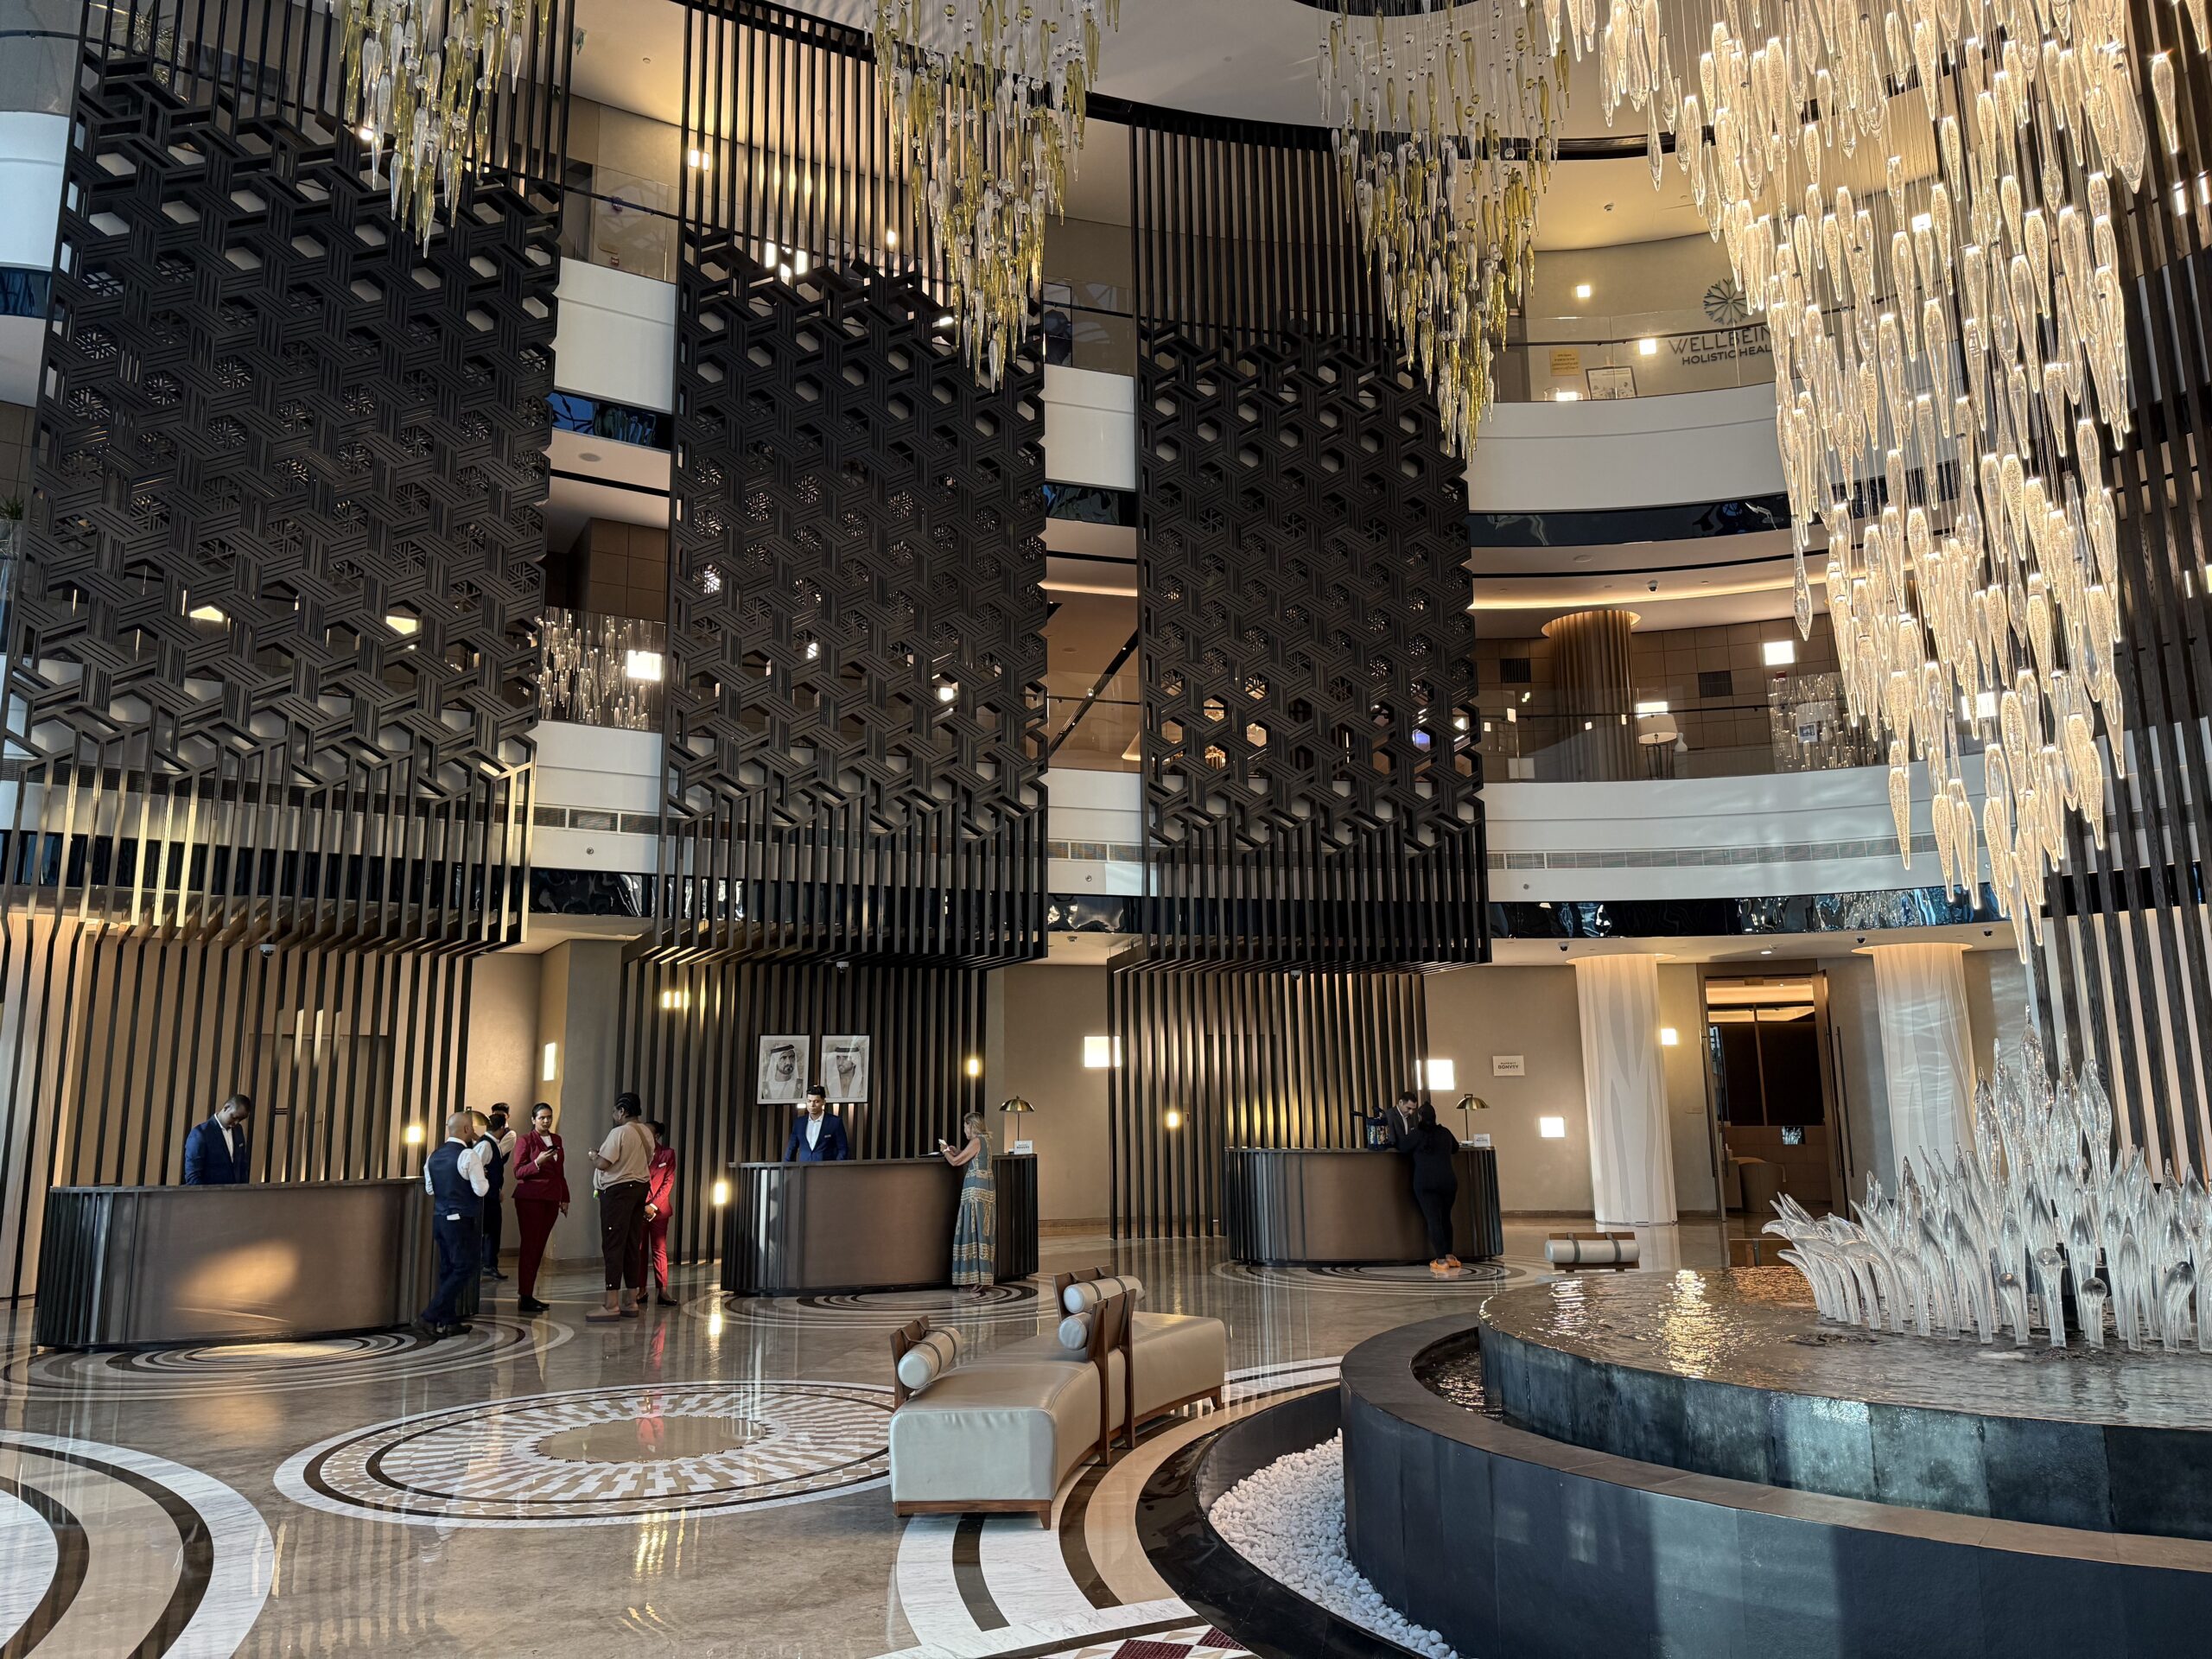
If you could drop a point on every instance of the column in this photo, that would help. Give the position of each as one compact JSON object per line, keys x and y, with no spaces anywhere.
{"x":1927,"y":1049}
{"x":1624,"y":1083}
{"x":1597,"y":696}
{"x":579,"y":1002}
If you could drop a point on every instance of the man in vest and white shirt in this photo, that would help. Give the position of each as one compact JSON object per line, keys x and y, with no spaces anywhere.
{"x":454,"y":1176}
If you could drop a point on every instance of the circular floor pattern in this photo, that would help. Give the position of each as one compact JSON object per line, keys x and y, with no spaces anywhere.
{"x":1477,"y":1278}
{"x":378,"y":1356}
{"x":1017,"y":1302}
{"x":603,"y":1457}
{"x":104,"y":1549}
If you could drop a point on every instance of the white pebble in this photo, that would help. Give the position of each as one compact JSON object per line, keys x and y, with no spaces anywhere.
{"x":1288,"y":1521}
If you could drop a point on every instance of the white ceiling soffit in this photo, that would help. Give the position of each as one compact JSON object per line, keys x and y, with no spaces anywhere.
{"x":1700,"y":582}
{"x":593,"y":477}
{"x":1752,"y":952}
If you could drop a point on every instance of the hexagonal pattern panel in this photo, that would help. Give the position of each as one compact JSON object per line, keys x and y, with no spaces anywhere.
{"x":857,"y":619}
{"x":284,"y":551}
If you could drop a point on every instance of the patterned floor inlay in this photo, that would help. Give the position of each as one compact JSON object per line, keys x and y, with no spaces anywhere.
{"x":105,"y":1550}
{"x":603,"y":1457}
{"x":1017,"y":1302}
{"x":1388,"y":1279}
{"x":381,"y":1358}
{"x":976,"y":1585}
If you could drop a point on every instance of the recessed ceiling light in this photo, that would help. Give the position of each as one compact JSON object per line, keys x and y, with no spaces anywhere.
{"x":1582,"y":558}
{"x":587,"y":454}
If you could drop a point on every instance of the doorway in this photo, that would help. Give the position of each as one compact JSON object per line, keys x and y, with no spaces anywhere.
{"x":1769,"y":1082}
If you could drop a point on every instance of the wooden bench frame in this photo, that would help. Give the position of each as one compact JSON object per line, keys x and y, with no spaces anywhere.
{"x":1129,"y":1419}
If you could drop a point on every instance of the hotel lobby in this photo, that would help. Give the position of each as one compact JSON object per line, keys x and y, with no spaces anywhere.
{"x":1295,"y":828}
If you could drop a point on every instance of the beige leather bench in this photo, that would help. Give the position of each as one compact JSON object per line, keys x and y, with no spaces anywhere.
{"x":1174,"y":1359}
{"x":1000,"y":1430}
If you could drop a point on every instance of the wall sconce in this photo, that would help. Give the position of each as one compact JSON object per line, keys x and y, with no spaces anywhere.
{"x":1174,"y":1119}
{"x":721,"y":1193}
{"x":1552,"y":1128}
{"x":1437,"y":1074}
{"x":552,"y":1065}
{"x":1099,"y":1053}
{"x":1669,"y":1037}
{"x":413,"y":1134}
{"x":642,"y":664}
{"x":975,"y":1066}
{"x":675,"y":1000}
{"x":1779,"y":653}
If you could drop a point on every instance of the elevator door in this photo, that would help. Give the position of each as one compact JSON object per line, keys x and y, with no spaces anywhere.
{"x":1774,"y":1117}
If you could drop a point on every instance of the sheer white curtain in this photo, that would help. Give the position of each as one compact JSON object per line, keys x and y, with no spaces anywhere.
{"x":1927,"y":1048}
{"x":1631,"y":1159}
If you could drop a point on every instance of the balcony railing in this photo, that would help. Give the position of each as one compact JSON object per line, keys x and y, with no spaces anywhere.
{"x":1528,"y":736}
{"x":38,"y":55}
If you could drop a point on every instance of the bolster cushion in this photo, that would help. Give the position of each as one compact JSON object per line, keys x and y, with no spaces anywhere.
{"x":1082,"y":1297}
{"x":929,"y":1359}
{"x":1075,"y":1332}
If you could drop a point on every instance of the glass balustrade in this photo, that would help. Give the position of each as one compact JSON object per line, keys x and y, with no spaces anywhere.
{"x":1535,"y":736}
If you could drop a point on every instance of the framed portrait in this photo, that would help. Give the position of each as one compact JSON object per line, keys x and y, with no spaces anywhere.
{"x":844,"y":1067}
{"x":783,"y":1069}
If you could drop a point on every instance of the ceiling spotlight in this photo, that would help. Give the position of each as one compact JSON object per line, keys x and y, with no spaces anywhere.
{"x":1582,"y":290}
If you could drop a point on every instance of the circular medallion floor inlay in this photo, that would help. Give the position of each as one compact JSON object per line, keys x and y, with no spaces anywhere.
{"x":602,"y":1457}
{"x":380,"y":1358}
{"x":1017,"y":1301}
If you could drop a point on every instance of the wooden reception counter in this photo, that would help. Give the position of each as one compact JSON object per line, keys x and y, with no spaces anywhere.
{"x":1287,"y":1207}
{"x":132,"y":1267}
{"x":870,"y":1223}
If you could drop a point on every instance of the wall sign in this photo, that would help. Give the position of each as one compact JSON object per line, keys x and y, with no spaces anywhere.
{"x":1507,"y":1065}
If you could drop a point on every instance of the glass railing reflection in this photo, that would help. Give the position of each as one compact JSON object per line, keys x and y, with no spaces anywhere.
{"x":1804,"y":726}
{"x":601,"y":670}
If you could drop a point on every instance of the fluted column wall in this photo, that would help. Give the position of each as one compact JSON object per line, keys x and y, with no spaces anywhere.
{"x":1625,"y":1085}
{"x":1927,"y":1049}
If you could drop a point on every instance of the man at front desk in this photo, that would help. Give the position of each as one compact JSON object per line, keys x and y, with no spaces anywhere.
{"x":819,"y":1137}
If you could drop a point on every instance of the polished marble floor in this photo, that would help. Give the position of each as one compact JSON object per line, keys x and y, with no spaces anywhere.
{"x":710,"y":1478}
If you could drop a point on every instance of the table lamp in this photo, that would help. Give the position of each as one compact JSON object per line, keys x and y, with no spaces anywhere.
{"x":1013,"y":1103}
{"x":1469,"y":1103}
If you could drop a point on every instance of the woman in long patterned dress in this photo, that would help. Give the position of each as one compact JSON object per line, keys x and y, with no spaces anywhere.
{"x":975,"y":1230}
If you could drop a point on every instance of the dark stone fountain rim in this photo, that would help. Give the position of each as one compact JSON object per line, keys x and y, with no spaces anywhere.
{"x":1379,"y":1375}
{"x":1775,"y":1342}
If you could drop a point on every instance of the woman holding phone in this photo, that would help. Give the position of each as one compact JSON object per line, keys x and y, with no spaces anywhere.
{"x":541,"y":1195}
{"x":974,"y":1228}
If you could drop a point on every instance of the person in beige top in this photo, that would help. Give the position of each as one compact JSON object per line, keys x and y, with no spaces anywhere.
{"x":619,"y":1171}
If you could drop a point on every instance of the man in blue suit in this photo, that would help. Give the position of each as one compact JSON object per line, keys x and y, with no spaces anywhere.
{"x":819,"y":1137}
{"x":216,"y":1152}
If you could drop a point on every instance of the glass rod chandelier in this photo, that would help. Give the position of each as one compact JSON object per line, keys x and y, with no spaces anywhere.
{"x":418,"y":77}
{"x":1445,"y":118}
{"x":1918,"y":198}
{"x":987,"y":100}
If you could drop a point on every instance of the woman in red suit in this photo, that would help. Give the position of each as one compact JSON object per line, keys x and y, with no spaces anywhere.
{"x":541,"y":1194}
{"x":660,"y":1199}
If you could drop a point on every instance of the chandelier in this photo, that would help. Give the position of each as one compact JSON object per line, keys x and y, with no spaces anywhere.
{"x":1918,"y":198}
{"x":1444,"y":117}
{"x":987,"y":100}
{"x":418,"y":77}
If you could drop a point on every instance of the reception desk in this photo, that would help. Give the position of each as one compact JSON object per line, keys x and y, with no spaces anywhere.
{"x":1287,"y":1207}
{"x":874,"y":1224}
{"x":132,"y":1267}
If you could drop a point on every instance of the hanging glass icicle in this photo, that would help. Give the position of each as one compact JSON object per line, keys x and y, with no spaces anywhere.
{"x":1446,"y":121}
{"x":419,"y":79}
{"x":988,"y":100}
{"x":1918,"y":199}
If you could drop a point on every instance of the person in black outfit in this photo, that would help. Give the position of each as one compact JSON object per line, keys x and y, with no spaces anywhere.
{"x":1436,"y":1184}
{"x":498,"y":1144}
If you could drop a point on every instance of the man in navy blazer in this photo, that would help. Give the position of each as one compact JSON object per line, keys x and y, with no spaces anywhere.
{"x":216,"y":1152}
{"x":819,"y":1137}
